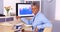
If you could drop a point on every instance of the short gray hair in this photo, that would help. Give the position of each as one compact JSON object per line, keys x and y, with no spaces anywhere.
{"x":36,"y":3}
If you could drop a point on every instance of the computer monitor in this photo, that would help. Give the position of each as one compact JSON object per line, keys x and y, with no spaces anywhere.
{"x":24,"y":9}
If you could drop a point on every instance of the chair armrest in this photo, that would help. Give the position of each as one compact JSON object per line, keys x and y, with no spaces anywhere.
{"x":48,"y":29}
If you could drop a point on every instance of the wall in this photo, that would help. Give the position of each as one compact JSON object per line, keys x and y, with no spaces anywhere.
{"x":51,"y":9}
{"x":11,"y":3}
{"x":1,"y":6}
{"x":57,"y":13}
{"x":48,"y":8}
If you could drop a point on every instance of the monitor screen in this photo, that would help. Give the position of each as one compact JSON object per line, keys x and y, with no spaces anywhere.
{"x":24,"y":9}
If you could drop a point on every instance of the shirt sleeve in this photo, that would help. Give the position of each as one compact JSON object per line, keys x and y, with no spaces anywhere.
{"x":44,"y":23}
{"x":26,"y":21}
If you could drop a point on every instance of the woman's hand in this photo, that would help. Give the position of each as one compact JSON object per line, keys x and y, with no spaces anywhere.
{"x":36,"y":29}
{"x":17,"y":17}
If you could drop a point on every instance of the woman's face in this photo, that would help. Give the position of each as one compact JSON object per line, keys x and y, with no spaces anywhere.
{"x":35,"y":9}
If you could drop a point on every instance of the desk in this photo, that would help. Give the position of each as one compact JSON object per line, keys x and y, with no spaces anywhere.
{"x":8,"y":26}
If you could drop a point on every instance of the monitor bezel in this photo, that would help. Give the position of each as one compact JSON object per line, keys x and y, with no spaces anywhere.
{"x":17,"y":9}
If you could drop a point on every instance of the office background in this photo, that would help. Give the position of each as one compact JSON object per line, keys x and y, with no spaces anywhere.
{"x":47,"y":7}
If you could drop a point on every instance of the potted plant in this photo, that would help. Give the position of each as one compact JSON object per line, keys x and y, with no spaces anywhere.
{"x":7,"y":8}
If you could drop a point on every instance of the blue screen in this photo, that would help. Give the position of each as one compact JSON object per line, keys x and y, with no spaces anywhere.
{"x":25,"y":11}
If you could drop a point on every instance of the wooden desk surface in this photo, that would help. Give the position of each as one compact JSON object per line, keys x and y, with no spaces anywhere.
{"x":8,"y":26}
